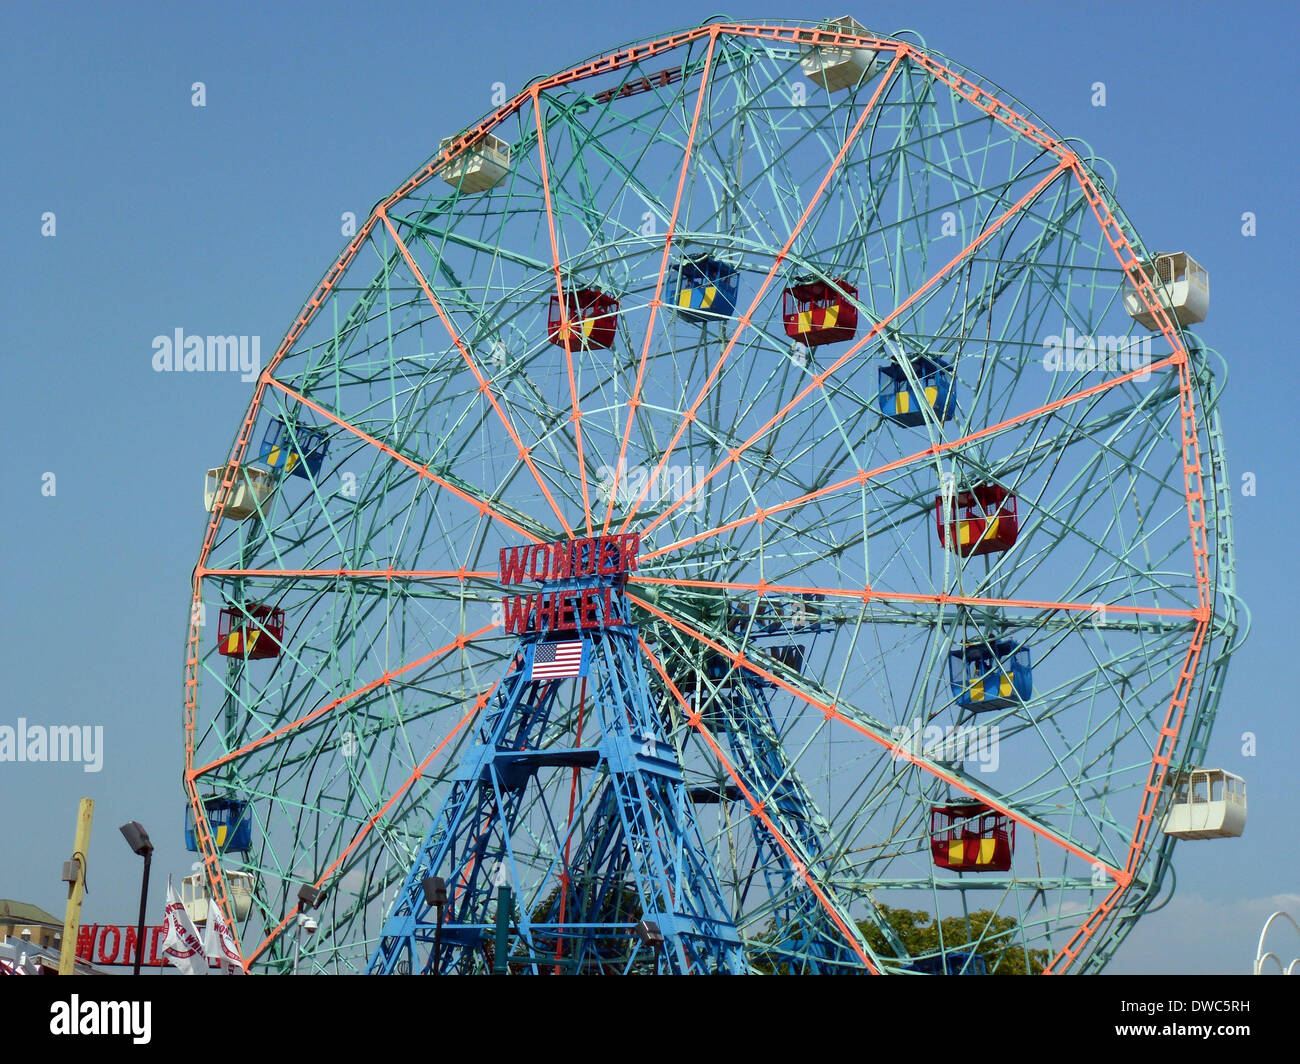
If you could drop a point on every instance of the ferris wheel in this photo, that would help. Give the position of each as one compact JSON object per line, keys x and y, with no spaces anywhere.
{"x":753,"y":483}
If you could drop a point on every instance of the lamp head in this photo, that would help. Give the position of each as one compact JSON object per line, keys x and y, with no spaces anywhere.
{"x":435,"y":891}
{"x":649,"y":934}
{"x":137,"y":838}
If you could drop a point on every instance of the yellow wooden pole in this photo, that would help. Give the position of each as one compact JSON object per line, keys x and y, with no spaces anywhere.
{"x":76,"y":888}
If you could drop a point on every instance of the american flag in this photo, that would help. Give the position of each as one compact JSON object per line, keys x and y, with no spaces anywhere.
{"x":554,"y":661}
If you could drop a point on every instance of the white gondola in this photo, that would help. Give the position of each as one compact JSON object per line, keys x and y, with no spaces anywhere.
{"x":840,"y":68}
{"x":252,"y":487}
{"x":239,"y":885}
{"x":480,"y":166}
{"x":194,"y":895}
{"x":1208,"y":803}
{"x":1182,"y":285}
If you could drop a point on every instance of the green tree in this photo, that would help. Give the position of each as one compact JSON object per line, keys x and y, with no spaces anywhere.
{"x":995,"y":938}
{"x":605,"y":954}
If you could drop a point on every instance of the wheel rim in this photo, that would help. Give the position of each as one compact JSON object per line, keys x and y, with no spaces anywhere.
{"x":751,"y":469}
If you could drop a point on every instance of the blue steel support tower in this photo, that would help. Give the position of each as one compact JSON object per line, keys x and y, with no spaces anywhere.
{"x":810,"y":939}
{"x":637,"y":857}
{"x":812,"y":934}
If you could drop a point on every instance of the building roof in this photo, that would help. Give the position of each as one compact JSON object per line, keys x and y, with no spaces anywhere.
{"x":14,"y":949}
{"x":19,"y":912}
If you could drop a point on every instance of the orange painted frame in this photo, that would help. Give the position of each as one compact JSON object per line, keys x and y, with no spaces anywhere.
{"x":981,"y":98}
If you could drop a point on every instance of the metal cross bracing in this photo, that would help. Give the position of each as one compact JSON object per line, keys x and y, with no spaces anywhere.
{"x":810,"y":932}
{"x":971,"y":233}
{"x":642,"y":838}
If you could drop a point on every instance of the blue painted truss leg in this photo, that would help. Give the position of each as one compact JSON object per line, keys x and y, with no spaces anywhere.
{"x":640,"y":854}
{"x":808,"y":932}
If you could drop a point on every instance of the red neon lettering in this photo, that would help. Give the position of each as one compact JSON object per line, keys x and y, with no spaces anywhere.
{"x":128,"y":945}
{"x":587,"y":615}
{"x":607,"y":604}
{"x":86,"y":941}
{"x":570,"y":559}
{"x":564,"y":613}
{"x":630,"y":545}
{"x":608,"y":557}
{"x":513,"y":564}
{"x":559,"y":610}
{"x":541,"y":562}
{"x":155,"y":943}
{"x":545,"y":611}
{"x":563,"y":561}
{"x":106,"y":955}
{"x":517,"y":609}
{"x":108,"y":944}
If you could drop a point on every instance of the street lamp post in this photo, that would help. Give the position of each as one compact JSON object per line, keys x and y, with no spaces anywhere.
{"x":138,"y":839}
{"x":435,"y":893}
{"x":650,"y":935}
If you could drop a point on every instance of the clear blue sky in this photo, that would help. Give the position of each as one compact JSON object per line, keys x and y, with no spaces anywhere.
{"x":221,"y":219}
